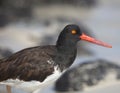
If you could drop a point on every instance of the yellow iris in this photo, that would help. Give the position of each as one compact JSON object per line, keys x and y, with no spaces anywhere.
{"x":73,"y":32}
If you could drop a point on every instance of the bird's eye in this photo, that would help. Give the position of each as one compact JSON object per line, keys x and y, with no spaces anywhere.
{"x":73,"y":32}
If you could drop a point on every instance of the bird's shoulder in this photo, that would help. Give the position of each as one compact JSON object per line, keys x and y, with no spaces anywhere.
{"x":39,"y":53}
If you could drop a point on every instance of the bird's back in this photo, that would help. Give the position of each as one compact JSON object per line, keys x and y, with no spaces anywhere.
{"x":29,"y":64}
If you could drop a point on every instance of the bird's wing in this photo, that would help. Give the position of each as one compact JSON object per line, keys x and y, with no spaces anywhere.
{"x":28,"y":64}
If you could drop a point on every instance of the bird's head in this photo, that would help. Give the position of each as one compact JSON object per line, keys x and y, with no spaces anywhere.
{"x":71,"y":34}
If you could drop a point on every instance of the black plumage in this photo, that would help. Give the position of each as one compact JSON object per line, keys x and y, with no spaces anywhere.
{"x":37,"y":63}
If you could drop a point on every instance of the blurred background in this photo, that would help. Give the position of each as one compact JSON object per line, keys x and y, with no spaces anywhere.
{"x":27,"y":23}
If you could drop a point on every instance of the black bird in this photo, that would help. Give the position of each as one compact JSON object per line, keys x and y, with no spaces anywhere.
{"x":41,"y":62}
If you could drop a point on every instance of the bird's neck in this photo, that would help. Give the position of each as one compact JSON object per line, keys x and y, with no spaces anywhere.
{"x":66,"y":54}
{"x":66,"y":46}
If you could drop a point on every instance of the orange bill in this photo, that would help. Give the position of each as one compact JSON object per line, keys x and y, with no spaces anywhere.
{"x":92,"y":40}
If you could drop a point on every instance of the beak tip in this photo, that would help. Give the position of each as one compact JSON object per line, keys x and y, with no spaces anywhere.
{"x":110,"y":47}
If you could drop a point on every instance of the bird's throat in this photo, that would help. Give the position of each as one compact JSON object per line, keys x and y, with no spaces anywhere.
{"x":66,"y":56}
{"x":67,"y":49}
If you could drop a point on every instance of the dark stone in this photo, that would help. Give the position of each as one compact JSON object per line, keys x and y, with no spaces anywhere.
{"x":16,"y":10}
{"x":89,"y":73}
{"x":81,"y":3}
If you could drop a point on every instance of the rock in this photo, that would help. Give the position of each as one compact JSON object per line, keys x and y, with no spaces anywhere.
{"x":17,"y":10}
{"x":14,"y":10}
{"x":88,"y":74}
{"x":81,"y":3}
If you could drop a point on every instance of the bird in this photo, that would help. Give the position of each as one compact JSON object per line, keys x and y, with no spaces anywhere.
{"x":40,"y":63}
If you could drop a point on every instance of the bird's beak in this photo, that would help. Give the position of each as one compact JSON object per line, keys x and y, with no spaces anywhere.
{"x":92,"y":40}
